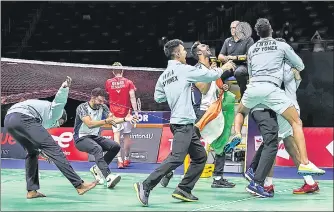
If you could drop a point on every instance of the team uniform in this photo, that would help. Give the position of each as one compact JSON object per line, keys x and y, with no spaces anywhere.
{"x":27,"y":122}
{"x":266,"y":67}
{"x":264,"y":96}
{"x":118,"y":89}
{"x":174,"y":86}
{"x":201,"y":103}
{"x":285,"y":130}
{"x":89,"y":140}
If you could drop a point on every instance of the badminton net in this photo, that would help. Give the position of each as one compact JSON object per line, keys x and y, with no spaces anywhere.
{"x":30,"y":79}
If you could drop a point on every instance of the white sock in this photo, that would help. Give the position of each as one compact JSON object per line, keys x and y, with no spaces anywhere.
{"x":217,"y":177}
{"x":268,"y":181}
{"x":120,"y":159}
{"x":126,"y":158}
{"x":309,"y":180}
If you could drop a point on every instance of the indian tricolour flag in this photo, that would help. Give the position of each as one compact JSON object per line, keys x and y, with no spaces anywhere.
{"x":211,"y":125}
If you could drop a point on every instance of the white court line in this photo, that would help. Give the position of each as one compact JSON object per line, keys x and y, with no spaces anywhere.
{"x":235,"y":201}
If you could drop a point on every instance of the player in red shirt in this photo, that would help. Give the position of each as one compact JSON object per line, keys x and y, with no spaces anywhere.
{"x":121,"y":97}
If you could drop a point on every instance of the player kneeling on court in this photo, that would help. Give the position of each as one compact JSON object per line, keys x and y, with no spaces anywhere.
{"x":88,"y":122}
{"x":27,"y":122}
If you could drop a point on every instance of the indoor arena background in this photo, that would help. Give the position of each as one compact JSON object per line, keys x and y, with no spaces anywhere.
{"x":43,"y":42}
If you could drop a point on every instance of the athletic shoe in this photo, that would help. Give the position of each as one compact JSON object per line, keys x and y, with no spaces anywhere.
{"x":142,"y":194}
{"x":96,"y":172}
{"x":183,"y":195}
{"x":120,"y":165}
{"x":234,"y":141}
{"x":257,"y":189}
{"x":270,"y":190}
{"x":126,"y":163}
{"x":112,"y":180}
{"x":165,"y":180}
{"x":310,"y":169}
{"x":249,"y":174}
{"x":307,"y":189}
{"x":222,"y":183}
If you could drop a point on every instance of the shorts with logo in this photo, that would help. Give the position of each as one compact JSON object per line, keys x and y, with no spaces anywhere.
{"x":268,"y":94}
{"x":124,"y":127}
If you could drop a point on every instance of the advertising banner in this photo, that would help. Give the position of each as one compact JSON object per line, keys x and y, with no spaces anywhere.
{"x":166,"y":145}
{"x":319,"y":144}
{"x":154,"y":117}
{"x":10,"y":148}
{"x":144,"y":144}
{"x":63,"y":136}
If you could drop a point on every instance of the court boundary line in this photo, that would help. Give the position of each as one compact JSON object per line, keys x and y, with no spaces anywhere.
{"x":235,"y":201}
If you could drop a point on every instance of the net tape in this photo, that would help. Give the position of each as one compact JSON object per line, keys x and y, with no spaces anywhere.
{"x":30,"y":79}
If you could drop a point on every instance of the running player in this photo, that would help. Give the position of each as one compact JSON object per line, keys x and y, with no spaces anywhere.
{"x":209,"y":93}
{"x":121,"y":96}
{"x":292,"y":81}
{"x":174,"y":86}
{"x":27,"y":122}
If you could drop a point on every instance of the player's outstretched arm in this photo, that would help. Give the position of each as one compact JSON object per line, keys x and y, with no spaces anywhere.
{"x":196,"y":74}
{"x":60,"y":100}
{"x":83,"y":114}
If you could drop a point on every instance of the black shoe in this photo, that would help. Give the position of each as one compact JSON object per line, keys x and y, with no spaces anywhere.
{"x":142,"y":194}
{"x":165,"y":180}
{"x":184,"y":196}
{"x":222,"y":183}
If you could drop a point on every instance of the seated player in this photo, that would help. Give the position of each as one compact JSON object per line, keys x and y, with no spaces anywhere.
{"x":88,"y":122}
{"x":27,"y":122}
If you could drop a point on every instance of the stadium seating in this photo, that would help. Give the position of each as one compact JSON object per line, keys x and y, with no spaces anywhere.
{"x":136,"y":28}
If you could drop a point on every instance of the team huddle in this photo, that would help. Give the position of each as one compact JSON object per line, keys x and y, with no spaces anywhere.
{"x":189,"y":92}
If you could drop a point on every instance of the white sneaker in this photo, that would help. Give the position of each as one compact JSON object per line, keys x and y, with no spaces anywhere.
{"x":112,"y":180}
{"x":96,"y":172}
{"x":310,"y":169}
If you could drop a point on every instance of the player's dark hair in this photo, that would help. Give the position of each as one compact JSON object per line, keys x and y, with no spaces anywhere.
{"x":170,"y":48}
{"x":98,"y":92}
{"x":194,"y":50}
{"x":281,"y":39}
{"x":263,"y":27}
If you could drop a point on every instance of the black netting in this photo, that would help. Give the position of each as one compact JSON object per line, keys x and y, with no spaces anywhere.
{"x":23,"y":79}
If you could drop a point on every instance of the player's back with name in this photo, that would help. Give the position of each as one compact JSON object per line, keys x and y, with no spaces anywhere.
{"x":265,"y":60}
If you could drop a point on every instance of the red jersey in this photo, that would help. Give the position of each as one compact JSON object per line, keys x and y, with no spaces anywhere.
{"x":119,"y":97}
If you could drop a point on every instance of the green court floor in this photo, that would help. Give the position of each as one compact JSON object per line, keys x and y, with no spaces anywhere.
{"x":61,"y":196}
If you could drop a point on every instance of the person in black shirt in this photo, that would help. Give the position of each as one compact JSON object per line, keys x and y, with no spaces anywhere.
{"x":235,"y":50}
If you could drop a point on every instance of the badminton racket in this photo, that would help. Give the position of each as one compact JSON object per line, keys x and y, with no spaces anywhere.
{"x":243,"y":31}
{"x":139,"y":109}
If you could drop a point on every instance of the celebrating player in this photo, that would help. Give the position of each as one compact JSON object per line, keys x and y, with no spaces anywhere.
{"x":174,"y":86}
{"x":121,"y":94}
{"x":292,"y":81}
{"x":27,"y":122}
{"x":88,"y":122}
{"x":265,"y":64}
{"x":208,"y":93}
